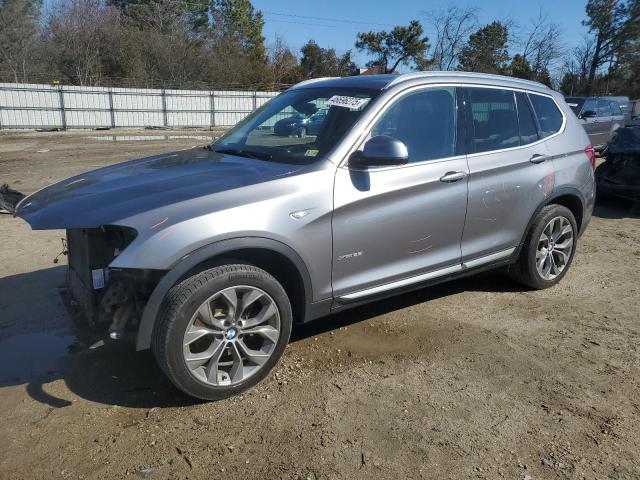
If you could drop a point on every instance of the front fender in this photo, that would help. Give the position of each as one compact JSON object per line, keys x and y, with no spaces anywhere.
{"x":193,"y":259}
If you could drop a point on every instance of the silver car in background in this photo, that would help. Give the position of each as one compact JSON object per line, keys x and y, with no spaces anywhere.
{"x":210,"y":256}
{"x":601,"y":117}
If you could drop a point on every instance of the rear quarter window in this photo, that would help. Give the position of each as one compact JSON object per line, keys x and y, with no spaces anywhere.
{"x":548,"y":114}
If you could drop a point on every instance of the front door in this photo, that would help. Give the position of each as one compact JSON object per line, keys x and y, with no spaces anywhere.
{"x":394,"y":226}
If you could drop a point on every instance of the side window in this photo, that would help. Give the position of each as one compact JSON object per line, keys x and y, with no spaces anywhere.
{"x":526,"y":121}
{"x":425,"y":121}
{"x":589,"y":106}
{"x":495,"y":121}
{"x":615,"y":108}
{"x":548,"y":114}
{"x":604,"y":110}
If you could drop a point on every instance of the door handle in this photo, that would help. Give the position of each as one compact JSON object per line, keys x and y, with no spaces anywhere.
{"x":451,"y":177}
{"x":537,"y":158}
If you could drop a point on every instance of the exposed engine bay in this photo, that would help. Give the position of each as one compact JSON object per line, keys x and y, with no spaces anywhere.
{"x":102,"y":298}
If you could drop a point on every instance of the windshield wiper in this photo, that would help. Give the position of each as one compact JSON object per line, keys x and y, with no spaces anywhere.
{"x":244,"y":153}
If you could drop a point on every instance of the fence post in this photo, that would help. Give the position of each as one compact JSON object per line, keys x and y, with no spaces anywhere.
{"x":164,"y":108}
{"x":255,"y":100}
{"x":63,"y":113}
{"x":111,"y":111}
{"x":212,"y":108}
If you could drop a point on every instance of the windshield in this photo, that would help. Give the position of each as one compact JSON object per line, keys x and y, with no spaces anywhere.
{"x":298,"y":126}
{"x":575,"y":104}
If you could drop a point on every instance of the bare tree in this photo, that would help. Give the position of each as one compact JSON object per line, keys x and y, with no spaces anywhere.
{"x":77,"y":33}
{"x":19,"y":38}
{"x":453,"y":27}
{"x":283,"y":63}
{"x":542,"y":45}
{"x":576,"y":65}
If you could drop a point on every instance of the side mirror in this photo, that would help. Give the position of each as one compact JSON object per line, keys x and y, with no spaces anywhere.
{"x":380,"y":151}
{"x":588,"y":114}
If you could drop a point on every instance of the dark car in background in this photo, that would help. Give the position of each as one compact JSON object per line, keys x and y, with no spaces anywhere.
{"x":599,"y":116}
{"x":619,"y":176}
{"x":300,"y":125}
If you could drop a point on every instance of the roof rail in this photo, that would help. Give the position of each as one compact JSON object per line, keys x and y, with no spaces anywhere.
{"x":313,"y":80}
{"x":427,"y":74}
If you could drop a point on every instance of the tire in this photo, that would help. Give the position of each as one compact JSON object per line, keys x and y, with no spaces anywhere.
{"x":525,"y":270}
{"x":210,"y":292}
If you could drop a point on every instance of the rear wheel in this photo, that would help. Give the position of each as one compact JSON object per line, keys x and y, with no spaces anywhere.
{"x":221,"y":331}
{"x":549,"y":248}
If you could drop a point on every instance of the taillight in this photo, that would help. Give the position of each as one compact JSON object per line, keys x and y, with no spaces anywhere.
{"x":590,"y":152}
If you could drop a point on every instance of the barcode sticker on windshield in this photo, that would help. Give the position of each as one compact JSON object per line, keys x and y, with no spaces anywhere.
{"x":352,"y":103}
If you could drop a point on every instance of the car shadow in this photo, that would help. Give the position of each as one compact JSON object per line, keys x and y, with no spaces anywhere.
{"x":38,"y":352}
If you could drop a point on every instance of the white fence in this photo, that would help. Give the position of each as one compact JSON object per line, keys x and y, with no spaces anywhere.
{"x":44,"y":106}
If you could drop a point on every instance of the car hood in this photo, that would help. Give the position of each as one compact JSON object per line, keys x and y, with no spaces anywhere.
{"x":110,"y":194}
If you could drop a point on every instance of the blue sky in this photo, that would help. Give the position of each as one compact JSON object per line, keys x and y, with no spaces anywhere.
{"x":287,"y":18}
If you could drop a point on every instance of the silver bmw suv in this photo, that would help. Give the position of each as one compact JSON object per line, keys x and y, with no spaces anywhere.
{"x":209,"y":256}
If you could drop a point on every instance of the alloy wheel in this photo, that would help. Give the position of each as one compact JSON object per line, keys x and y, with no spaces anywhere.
{"x":231,"y":335}
{"x":554,"y":248}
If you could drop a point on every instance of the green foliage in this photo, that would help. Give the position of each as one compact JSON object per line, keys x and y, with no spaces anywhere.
{"x":616,"y":27}
{"x":237,"y":21}
{"x":324,"y":62}
{"x":400,"y":46}
{"x":486,"y":50}
{"x":520,"y":67}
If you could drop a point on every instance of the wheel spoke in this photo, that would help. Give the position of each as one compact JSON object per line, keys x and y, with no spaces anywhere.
{"x":544,"y":238}
{"x":212,"y":367}
{"x":555,"y":229}
{"x":546,"y":268}
{"x":267,"y":312}
{"x":248,"y":299}
{"x":255,"y":356}
{"x":237,"y":370}
{"x":540,"y":262}
{"x":231,"y":298}
{"x":554,"y":267}
{"x":195,"y":333}
{"x":206,"y":315}
{"x":561,"y":255}
{"x":567,"y":243}
{"x":265,"y":331}
{"x":195,"y":360}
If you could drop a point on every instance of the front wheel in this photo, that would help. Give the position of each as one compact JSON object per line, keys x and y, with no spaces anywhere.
{"x":548,"y":249}
{"x":221,"y":331}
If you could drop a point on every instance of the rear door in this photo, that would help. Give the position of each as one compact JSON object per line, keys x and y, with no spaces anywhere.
{"x":509,"y":173}
{"x":604,"y":121}
{"x":394,"y":226}
{"x":590,"y":123}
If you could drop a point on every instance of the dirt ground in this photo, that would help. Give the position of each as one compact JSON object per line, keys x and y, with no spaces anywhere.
{"x":477,"y":378}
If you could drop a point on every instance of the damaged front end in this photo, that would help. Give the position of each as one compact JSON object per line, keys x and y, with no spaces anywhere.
{"x":101,"y":298}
